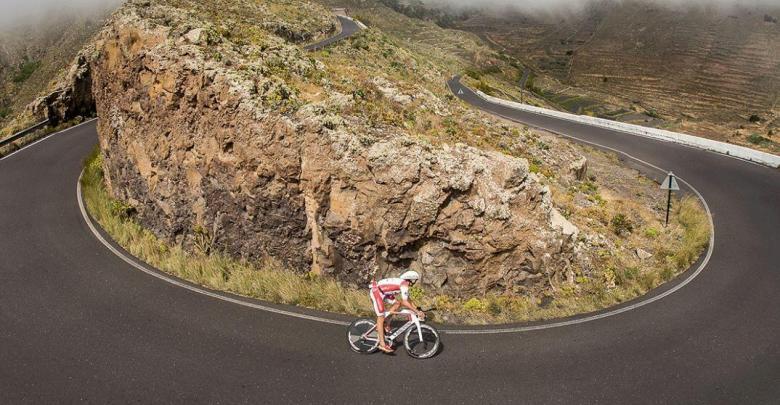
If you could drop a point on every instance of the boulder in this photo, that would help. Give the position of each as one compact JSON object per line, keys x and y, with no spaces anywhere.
{"x":643,"y":254}
{"x":579,"y":168}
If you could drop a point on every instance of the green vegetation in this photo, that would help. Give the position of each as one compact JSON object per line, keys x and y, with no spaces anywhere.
{"x":651,"y":233}
{"x":697,"y":232}
{"x":270,"y":281}
{"x":37,"y":57}
{"x":621,"y":224}
{"x":406,"y":65}
{"x":25,"y":70}
{"x":757,"y":139}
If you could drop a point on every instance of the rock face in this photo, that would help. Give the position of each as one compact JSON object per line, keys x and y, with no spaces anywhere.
{"x":200,"y":147}
{"x":73,"y":96}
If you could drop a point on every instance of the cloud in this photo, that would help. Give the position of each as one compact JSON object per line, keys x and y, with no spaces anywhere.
{"x":576,"y":5}
{"x":25,"y":11}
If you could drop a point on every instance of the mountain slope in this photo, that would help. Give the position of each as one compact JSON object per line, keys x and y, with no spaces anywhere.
{"x":708,"y":71}
{"x":33,"y":53}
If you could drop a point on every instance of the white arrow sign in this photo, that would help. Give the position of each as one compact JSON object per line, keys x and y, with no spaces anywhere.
{"x":460,"y":91}
{"x":670,"y":183}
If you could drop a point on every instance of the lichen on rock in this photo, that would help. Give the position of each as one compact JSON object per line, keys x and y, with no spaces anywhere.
{"x":206,"y":134}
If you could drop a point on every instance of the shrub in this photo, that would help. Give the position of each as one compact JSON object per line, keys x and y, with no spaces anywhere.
{"x":485,"y":88}
{"x":757,"y":139}
{"x":473,"y":74}
{"x":610,"y":278}
{"x":416,"y":293}
{"x":121,"y":209}
{"x":496,"y":306}
{"x":626,"y":275}
{"x":491,"y":70}
{"x":475,"y":304}
{"x":754,"y":118}
{"x":621,"y":224}
{"x":697,"y":232}
{"x":26,"y":69}
{"x":360,"y":42}
{"x":364,"y":19}
{"x":589,"y":187}
{"x":651,"y":233}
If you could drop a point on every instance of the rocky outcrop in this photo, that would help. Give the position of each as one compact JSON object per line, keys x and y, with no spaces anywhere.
{"x":201,"y":147}
{"x":73,"y":94}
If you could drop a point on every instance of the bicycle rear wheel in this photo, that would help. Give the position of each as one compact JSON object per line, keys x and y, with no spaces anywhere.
{"x":425,"y":348}
{"x":362,"y":336}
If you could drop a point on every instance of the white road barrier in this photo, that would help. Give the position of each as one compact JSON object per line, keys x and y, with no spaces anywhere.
{"x":737,"y":151}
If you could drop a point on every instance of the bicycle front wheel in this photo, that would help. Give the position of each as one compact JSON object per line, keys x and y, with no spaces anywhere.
{"x":362,"y":336}
{"x":423,"y":348}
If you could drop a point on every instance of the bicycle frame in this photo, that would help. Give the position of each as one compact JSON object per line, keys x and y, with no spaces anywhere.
{"x":414,"y":320}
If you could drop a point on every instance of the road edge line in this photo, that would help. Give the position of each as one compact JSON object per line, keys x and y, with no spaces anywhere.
{"x":178,"y":282}
{"x":617,"y":311}
{"x":51,"y":135}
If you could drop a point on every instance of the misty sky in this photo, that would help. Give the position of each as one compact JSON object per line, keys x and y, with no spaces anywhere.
{"x":16,"y":11}
{"x":573,"y":5}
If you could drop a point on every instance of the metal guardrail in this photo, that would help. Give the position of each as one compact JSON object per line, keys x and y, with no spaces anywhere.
{"x":21,"y":134}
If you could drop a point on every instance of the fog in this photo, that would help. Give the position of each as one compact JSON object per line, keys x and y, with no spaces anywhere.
{"x":28,"y":11}
{"x":576,"y":5}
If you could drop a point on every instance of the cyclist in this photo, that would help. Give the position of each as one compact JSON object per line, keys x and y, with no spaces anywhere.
{"x":389,"y":289}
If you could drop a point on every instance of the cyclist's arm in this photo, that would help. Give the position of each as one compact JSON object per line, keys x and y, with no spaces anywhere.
{"x":408,"y":304}
{"x":395,"y":306}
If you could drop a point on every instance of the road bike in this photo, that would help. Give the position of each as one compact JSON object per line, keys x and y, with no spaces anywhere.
{"x":420,"y":340}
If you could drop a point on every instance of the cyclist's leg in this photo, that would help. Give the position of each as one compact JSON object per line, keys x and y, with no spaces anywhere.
{"x":379,"y":309}
{"x":393,"y":309}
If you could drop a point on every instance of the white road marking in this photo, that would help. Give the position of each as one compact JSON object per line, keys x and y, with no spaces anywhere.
{"x":480,"y":331}
{"x":45,"y":138}
{"x":618,"y":310}
{"x":179,"y":283}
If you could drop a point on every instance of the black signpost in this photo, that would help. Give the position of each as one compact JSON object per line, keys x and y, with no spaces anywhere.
{"x":669,"y":184}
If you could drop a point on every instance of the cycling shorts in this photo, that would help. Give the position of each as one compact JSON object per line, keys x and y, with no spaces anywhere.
{"x":378,"y":299}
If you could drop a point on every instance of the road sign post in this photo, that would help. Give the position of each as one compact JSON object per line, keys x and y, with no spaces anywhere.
{"x":669,"y":184}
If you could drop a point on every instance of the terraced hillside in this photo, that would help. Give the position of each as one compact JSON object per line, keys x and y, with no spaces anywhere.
{"x":712,"y":72}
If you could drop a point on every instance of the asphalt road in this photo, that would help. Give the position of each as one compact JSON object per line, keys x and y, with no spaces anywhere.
{"x":78,"y":324}
{"x":348,"y":28}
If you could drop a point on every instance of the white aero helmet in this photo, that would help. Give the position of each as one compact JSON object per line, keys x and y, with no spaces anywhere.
{"x":411,"y":275}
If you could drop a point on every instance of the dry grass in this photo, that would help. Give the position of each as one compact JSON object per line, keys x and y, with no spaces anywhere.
{"x":418,"y":69}
{"x":268,"y":280}
{"x":617,"y":280}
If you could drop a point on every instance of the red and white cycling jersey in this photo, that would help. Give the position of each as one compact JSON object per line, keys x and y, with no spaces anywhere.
{"x":387,"y":290}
